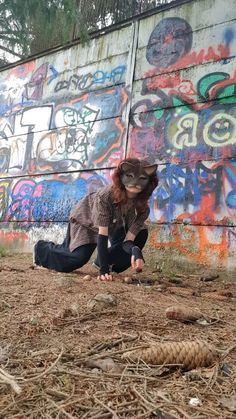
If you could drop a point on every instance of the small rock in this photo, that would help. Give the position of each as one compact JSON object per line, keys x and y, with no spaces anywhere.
{"x":128,"y":280}
{"x":87,"y":277}
{"x":95,"y":371}
{"x":195,"y":401}
{"x":34,"y":321}
{"x":74,"y":308}
{"x":106,"y":365}
{"x":209,"y":277}
{"x":229,"y":403}
{"x":101,"y":301}
{"x":203,"y":322}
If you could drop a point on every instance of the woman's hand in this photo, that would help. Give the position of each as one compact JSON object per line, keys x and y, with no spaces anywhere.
{"x":105,"y":277}
{"x":137,"y":265}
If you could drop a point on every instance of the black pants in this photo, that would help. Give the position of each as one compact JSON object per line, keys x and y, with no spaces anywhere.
{"x":59,"y":258}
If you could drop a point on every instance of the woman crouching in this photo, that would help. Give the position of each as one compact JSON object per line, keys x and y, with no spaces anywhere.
{"x":116,"y":212}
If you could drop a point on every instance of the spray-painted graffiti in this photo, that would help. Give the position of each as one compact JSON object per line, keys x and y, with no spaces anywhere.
{"x":174,"y":129}
{"x":189,"y":126}
{"x":81,"y":133}
{"x":27,"y":84}
{"x":169,"y":42}
{"x":197,"y":193}
{"x":205,"y":245}
{"x":170,"y":46}
{"x":34,"y":88}
{"x":30,"y":200}
{"x":84,"y":82}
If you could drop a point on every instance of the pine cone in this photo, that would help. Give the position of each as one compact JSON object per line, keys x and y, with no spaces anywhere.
{"x":182,"y":313}
{"x":186,"y":354}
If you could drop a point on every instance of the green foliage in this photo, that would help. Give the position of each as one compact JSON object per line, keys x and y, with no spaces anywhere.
{"x":31,"y":26}
{"x":3,"y":251}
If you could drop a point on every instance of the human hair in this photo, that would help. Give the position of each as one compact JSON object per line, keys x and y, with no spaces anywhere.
{"x":119,"y":191}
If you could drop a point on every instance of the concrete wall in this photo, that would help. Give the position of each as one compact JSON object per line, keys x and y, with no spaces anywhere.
{"x":161,"y":88}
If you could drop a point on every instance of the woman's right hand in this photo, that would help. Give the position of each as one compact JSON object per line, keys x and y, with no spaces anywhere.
{"x":137,"y":264}
{"x":105,"y":277}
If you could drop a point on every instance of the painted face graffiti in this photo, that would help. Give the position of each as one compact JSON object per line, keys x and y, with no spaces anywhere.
{"x":170,"y":40}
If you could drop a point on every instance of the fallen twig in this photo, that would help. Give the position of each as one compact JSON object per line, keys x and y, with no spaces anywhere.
{"x":9,"y":379}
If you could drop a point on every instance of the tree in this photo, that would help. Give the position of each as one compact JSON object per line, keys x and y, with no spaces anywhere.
{"x":31,"y":26}
{"x":28,"y":27}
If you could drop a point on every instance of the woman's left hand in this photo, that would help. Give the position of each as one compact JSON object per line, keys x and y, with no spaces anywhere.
{"x":137,"y":265}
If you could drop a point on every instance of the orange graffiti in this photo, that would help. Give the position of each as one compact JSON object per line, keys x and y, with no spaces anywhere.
{"x":215,"y":53}
{"x":10,"y":237}
{"x":204,"y":250}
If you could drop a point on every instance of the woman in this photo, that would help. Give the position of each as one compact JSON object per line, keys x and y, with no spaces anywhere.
{"x":117,"y":212}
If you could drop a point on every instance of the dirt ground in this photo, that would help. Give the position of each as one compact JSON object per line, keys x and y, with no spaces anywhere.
{"x":62,"y":352}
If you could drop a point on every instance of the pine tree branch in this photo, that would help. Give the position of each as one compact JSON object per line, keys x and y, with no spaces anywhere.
{"x":11,"y":52}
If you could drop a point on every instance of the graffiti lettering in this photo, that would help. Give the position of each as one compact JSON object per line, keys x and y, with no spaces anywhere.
{"x":186,"y":135}
{"x":67,"y":136}
{"x":84,"y":82}
{"x":71,"y":116}
{"x":219,"y":131}
{"x":75,"y":82}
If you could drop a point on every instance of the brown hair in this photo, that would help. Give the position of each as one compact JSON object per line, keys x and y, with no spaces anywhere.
{"x":119,"y":191}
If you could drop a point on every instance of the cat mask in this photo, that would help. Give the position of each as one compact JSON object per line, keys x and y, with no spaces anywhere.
{"x":136,"y":175}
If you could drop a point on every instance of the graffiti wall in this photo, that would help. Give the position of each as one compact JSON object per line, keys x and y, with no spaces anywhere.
{"x":162,"y":88}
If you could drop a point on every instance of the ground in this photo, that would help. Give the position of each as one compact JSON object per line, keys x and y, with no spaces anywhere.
{"x":64,"y":350}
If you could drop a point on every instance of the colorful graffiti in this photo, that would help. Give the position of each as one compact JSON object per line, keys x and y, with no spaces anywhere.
{"x":174,"y":128}
{"x":204,"y":245}
{"x":86,"y":81}
{"x":188,"y":125}
{"x":78,"y":134}
{"x":169,"y":42}
{"x":170,"y":46}
{"x":46,"y":200}
{"x":202,"y":193}
{"x":186,"y":122}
